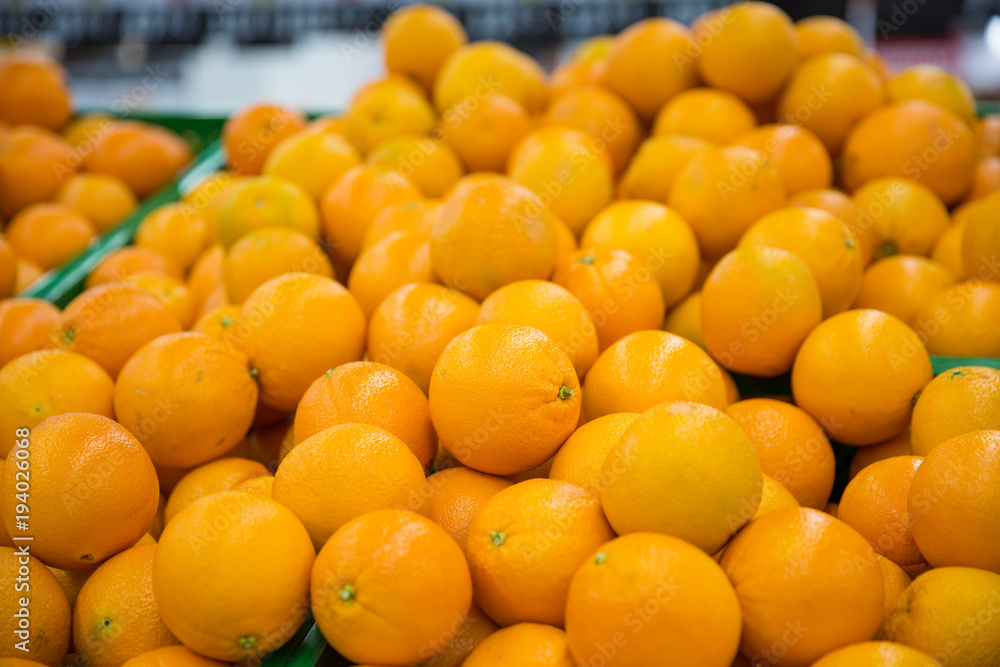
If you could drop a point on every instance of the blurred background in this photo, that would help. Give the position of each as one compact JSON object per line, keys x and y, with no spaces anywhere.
{"x":214,"y":56}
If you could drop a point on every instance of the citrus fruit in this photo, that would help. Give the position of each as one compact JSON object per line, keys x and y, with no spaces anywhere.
{"x":49,"y":235}
{"x":398,"y":259}
{"x":877,"y":654}
{"x":483,"y":131}
{"x":120,"y":264}
{"x":827,"y":34}
{"x":706,"y":113}
{"x":145,"y":157}
{"x":385,"y":109}
{"x":25,"y":326}
{"x":842,"y":206}
{"x":898,"y":445}
{"x":413,"y":216}
{"x":417,"y":40}
{"x":655,"y":165}
{"x":172,"y":656}
{"x":102,"y":199}
{"x":685,"y":319}
{"x":264,"y":201}
{"x":962,"y":320}
{"x":456,"y":495}
{"x":980,"y":242}
{"x":900,"y":284}
{"x":34,"y":91}
{"x":43,"y":602}
{"x":311,"y":160}
{"x":799,"y":156}
{"x":251,"y":134}
{"x":603,"y":115}
{"x":581,"y":458}
{"x":908,"y":217}
{"x":933,"y":84}
{"x":213,"y":477}
{"x":475,"y":629}
{"x":524,"y":644}
{"x":773,"y":497}
{"x":177,"y":231}
{"x":267,"y":253}
{"x":431,"y":164}
{"x":508,"y":71}
{"x":956,"y":402}
{"x":28,"y":156}
{"x":584,"y":66}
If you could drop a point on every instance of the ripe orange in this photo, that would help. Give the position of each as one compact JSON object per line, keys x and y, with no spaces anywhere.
{"x":213,"y":477}
{"x":49,"y":235}
{"x":933,"y":84}
{"x":842,"y":206}
{"x":456,"y":495}
{"x":685,"y":319}
{"x":33,"y":164}
{"x":645,"y":598}
{"x":398,"y":259}
{"x":827,"y":34}
{"x":981,"y":240}
{"x":603,"y":115}
{"x":206,"y":272}
{"x":773,"y":497}
{"x":264,"y":201}
{"x":413,"y":216}
{"x":985,"y":179}
{"x":76,"y":525}
{"x":9,"y":269}
{"x":900,"y":284}
{"x":250,"y":135}
{"x":431,"y":164}
{"x":45,"y":604}
{"x":865,"y":456}
{"x":757,"y":307}
{"x":311,"y":160}
{"x":27,"y":273}
{"x":799,"y":156}
{"x":475,"y":629}
{"x":417,"y":40}
{"x":171,"y":292}
{"x":177,"y":231}
{"x":343,"y":472}
{"x":877,"y":654}
{"x":115,"y":617}
{"x":206,"y":194}
{"x":270,"y":252}
{"x":706,"y":113}
{"x":145,"y":157}
{"x":956,"y":402}
{"x":102,"y":199}
{"x":646,"y":368}
{"x":962,"y":320}
{"x":684,"y":469}
{"x":654,"y":168}
{"x":34,"y":91}
{"x":120,"y":264}
{"x":988,"y":130}
{"x":907,"y":217}
{"x":172,"y":656}
{"x":896,"y":581}
{"x":584,"y":66}
{"x":524,"y":545}
{"x":524,"y":644}
{"x":369,"y":393}
{"x":109,"y":322}
{"x":219,"y":323}
{"x":371,"y":576}
{"x":483,"y":131}
{"x":294,"y":328}
{"x":385,"y":109}
{"x":413,"y":324}
{"x":858,"y":373}
{"x":228,"y":543}
{"x":25,"y":326}
{"x":530,"y":392}
{"x":508,"y":71}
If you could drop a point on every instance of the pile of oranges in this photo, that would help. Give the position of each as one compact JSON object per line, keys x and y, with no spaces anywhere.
{"x":451,"y":370}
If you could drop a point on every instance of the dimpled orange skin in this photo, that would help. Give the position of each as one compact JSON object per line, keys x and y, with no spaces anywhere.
{"x":311,"y":160}
{"x":721,"y":192}
{"x":177,"y":231}
{"x":757,"y":307}
{"x":253,"y":203}
{"x":213,"y":477}
{"x":655,"y":165}
{"x":26,"y":174}
{"x":900,"y":284}
{"x":649,"y":367}
{"x":491,"y":233}
{"x":455,"y":496}
{"x":981,"y":240}
{"x":187,"y":397}
{"x":602,"y":114}
{"x":955,"y":502}
{"x":877,"y":654}
{"x":962,"y":320}
{"x":396,"y":260}
{"x":72,"y":529}
{"x":580,"y":460}
{"x":956,"y":402}
{"x":172,"y":656}
{"x":343,"y":472}
{"x":104,"y":200}
{"x":374,"y":573}
{"x":706,"y":113}
{"x":115,"y":616}
{"x":476,"y":628}
{"x":329,"y":326}
{"x":369,"y":393}
{"x":9,"y":269}
{"x":251,"y":134}
{"x":384,"y":109}
{"x":827,"y":34}
{"x":521,"y":567}
{"x":47,"y":607}
{"x":684,"y":469}
{"x":525,"y":645}
{"x":842,"y":206}
{"x":225,"y":543}
{"x":906,"y":217}
{"x":49,"y":235}
{"x":803,"y":572}
{"x":268,"y":253}
{"x":508,"y":71}
{"x":145,"y":157}
{"x":503,"y":398}
{"x":773,"y":497}
{"x":798,"y":155}
{"x":25,"y":326}
{"x":483,"y":133}
{"x":697,"y":617}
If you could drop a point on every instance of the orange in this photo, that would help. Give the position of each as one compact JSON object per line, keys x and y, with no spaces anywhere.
{"x":38,"y":385}
{"x":102,"y":199}
{"x":228,"y":543}
{"x":219,"y":323}
{"x":33,"y":164}
{"x":898,"y":445}
{"x":172,"y":292}
{"x":798,"y":155}
{"x":213,"y":477}
{"x":524,"y":644}
{"x":72,"y":580}
{"x":622,"y":611}
{"x":962,"y":320}
{"x":250,"y":135}
{"x":343,"y":472}
{"x":552,"y":310}
{"x":896,"y":582}
{"x":109,"y":322}
{"x":311,"y":160}
{"x":349,"y":205}
{"x":264,"y":201}
{"x":649,"y":62}
{"x":773,"y":497}
{"x":396,"y":260}
{"x":685,"y":319}
{"x":27,"y":273}
{"x":483,"y":131}
{"x":842,"y":206}
{"x":76,"y":525}
{"x":981,"y":240}
{"x":684,"y":469}
{"x":115,"y":617}
{"x":956,"y":402}
{"x":656,"y":236}
{"x":954,"y":501}
{"x":84,"y":130}
{"x":413,"y":216}
{"x":706,"y":113}
{"x":431,"y":164}
{"x":43,"y":602}
{"x":206,"y":272}
{"x":294,"y":328}
{"x":988,"y":130}
{"x":823,"y":242}
{"x":177,"y":231}
{"x":875,"y":504}
{"x":476,"y":628}
{"x":417,"y":40}
{"x":187,"y":397}
{"x":827,"y":34}
{"x":145,"y":157}
{"x":933,"y":84}
{"x":568,"y":169}
{"x":9,"y":269}
{"x":649,"y":367}
{"x":456,"y":495}
{"x":900,"y":284}
{"x":491,"y":233}
{"x":619,"y":292}
{"x":858,"y":374}
{"x":261,"y":486}
{"x":654,"y":168}
{"x":603,"y":115}
{"x":985,"y":179}
{"x":907,"y":217}
{"x":270,"y":252}
{"x":369,"y":393}
{"x":206,"y":194}
{"x":508,"y":72}
{"x":791,"y":447}
{"x":49,"y":235}
{"x":172,"y":656}
{"x":530,"y":392}
{"x":787,"y":610}
{"x":524,"y":545}
{"x":945,"y":613}
{"x":829,"y":95}
{"x":721,"y":192}
{"x":327,"y":124}
{"x":916,"y":140}
{"x":25,"y":326}
{"x":748,"y":49}
{"x":757,"y":307}
{"x":386,"y":109}
{"x":120,"y":264}
{"x":877,"y":654}
{"x":34,"y":92}
{"x":413,"y":324}
{"x":584,"y":66}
